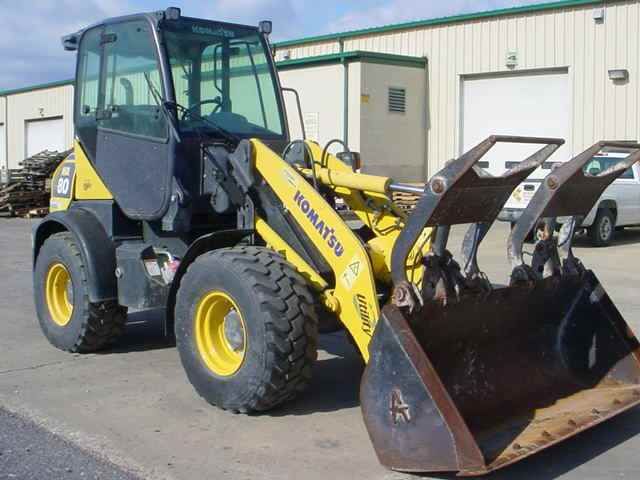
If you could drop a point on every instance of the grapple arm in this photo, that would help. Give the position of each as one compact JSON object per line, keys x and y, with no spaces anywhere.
{"x":463,"y":193}
{"x":489,"y":377}
{"x":566,"y":192}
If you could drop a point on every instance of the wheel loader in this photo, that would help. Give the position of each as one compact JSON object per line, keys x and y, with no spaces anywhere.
{"x":185,"y":192}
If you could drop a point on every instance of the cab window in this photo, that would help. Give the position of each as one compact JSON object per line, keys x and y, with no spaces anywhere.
{"x":132,"y":82}
{"x":87,"y":88}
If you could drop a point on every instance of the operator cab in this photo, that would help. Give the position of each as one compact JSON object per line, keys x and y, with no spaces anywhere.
{"x":153,"y":89}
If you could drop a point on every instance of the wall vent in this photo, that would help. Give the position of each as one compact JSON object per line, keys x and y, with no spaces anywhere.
{"x":397,"y":99}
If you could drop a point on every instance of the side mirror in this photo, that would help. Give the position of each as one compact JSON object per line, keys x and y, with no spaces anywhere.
{"x":70,"y":42}
{"x":351,"y":158}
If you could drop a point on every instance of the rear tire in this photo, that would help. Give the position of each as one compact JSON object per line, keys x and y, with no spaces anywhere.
{"x":67,"y":318}
{"x":603,"y":228}
{"x":278,"y":322}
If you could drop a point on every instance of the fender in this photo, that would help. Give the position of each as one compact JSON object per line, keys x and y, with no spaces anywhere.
{"x":608,"y":203}
{"x":203,"y":244}
{"x":97,"y":249}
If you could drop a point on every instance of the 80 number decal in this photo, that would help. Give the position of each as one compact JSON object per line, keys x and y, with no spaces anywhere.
{"x":63,"y":181}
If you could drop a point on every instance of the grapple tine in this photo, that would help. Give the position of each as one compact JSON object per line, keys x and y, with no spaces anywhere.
{"x":565,"y":192}
{"x":460,"y":193}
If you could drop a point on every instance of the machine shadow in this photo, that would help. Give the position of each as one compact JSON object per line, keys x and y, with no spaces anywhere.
{"x":565,"y":457}
{"x":336,"y":380}
{"x":143,"y":331}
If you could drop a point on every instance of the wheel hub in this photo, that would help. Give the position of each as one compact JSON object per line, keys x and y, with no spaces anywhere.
{"x":234,"y":331}
{"x":605,"y":228}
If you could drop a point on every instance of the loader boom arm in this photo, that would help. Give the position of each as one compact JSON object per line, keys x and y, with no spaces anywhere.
{"x":353,"y":297}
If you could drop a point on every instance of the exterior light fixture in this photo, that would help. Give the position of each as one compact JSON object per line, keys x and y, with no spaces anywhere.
{"x":172,"y":13}
{"x":619,"y":75}
{"x":598,"y":15}
{"x":265,"y":27}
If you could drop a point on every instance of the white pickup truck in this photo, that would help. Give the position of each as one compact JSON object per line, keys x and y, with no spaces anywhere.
{"x":618,"y":207}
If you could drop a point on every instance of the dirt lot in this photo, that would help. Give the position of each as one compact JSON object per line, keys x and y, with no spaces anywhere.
{"x":133,"y":405}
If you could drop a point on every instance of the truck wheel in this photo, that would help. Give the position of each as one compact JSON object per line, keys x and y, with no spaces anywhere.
{"x":601,"y":232}
{"x":67,"y":318}
{"x":246,"y":328}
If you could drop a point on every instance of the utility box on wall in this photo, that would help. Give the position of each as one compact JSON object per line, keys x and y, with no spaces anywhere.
{"x":386,"y":107}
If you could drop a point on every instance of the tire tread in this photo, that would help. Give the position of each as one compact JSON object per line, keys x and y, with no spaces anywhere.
{"x":291,"y":324}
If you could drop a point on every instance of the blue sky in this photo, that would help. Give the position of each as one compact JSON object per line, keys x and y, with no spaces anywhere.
{"x":30,"y":30}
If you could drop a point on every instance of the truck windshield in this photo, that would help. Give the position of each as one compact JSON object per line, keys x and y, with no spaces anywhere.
{"x":600,"y":164}
{"x":222,"y":72}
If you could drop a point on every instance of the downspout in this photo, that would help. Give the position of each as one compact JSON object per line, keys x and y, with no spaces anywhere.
{"x":6,"y":132}
{"x":345,"y":96}
{"x":425,"y":167}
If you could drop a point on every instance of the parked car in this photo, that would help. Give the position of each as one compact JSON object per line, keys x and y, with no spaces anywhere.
{"x":618,"y":207}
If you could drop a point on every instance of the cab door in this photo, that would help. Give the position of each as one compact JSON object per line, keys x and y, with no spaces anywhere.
{"x":133,"y":148}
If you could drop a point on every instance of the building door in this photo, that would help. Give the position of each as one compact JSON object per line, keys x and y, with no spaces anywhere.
{"x":524,"y":104}
{"x":45,"y":134}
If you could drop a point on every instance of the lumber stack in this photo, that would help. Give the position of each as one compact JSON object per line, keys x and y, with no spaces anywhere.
{"x":25,"y":191}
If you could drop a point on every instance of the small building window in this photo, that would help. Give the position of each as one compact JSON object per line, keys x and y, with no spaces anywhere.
{"x":397,"y":100}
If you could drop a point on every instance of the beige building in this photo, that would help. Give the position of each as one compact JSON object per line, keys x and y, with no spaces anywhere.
{"x":413,"y":95}
{"x":568,"y":69}
{"x":33,"y":119}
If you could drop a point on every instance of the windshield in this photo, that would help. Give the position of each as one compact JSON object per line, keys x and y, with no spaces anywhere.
{"x":221,"y":73}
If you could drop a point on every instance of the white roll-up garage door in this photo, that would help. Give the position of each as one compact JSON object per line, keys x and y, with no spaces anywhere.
{"x":3,"y":147}
{"x":45,"y":134}
{"x":525,"y":104}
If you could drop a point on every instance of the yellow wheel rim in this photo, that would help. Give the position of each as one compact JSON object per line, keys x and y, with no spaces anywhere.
{"x":58,"y":290}
{"x":220,"y":333}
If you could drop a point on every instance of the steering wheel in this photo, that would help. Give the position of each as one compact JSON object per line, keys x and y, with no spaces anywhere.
{"x":217,"y":101}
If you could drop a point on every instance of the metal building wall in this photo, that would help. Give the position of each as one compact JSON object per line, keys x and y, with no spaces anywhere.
{"x":564,"y":37}
{"x":36,"y":105}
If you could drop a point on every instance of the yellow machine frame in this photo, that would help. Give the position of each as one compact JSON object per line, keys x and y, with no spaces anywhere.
{"x":358,"y":267}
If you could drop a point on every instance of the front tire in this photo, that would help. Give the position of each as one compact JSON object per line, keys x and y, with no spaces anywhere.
{"x":67,"y":318}
{"x":603,"y":228}
{"x":246,"y":328}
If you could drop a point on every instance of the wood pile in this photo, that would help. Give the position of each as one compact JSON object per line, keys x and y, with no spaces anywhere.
{"x":25,"y":191}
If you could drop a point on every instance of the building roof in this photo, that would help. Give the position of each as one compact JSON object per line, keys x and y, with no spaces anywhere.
{"x":39,"y":86}
{"x":358,"y":55}
{"x":370,"y":56}
{"x":440,"y":21}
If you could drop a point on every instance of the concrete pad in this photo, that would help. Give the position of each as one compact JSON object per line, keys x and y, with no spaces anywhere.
{"x":134,"y":404}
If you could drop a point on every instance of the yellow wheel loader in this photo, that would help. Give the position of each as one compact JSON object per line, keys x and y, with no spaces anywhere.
{"x":185,"y":192}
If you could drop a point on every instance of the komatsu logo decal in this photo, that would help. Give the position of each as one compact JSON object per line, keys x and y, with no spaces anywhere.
{"x":325,"y":230}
